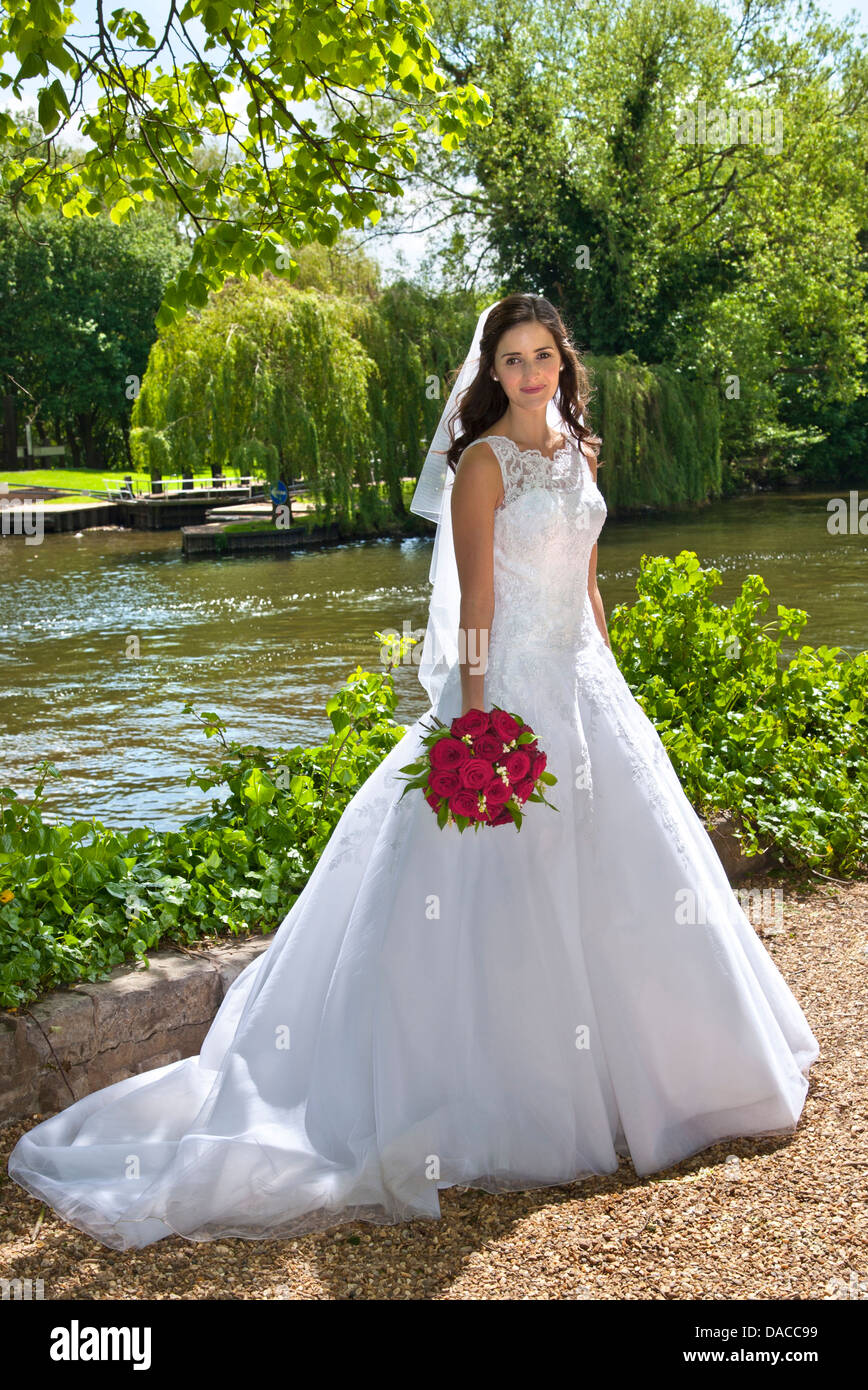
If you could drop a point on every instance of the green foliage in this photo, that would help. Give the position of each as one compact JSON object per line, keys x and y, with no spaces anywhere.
{"x":660,"y":431}
{"x":841,"y":460}
{"x":734,"y":246}
{"x":284,"y":179}
{"x":343,"y":392}
{"x":732,"y":259}
{"x":265,"y":379}
{"x":780,"y":742}
{"x":80,"y":346}
{"x":415,"y":338}
{"x":77,"y":900}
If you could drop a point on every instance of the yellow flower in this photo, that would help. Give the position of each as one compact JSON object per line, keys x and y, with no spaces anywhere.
{"x":6,"y":896}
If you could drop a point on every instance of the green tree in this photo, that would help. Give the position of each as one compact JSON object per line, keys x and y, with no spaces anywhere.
{"x":416,"y":340}
{"x":287,"y":178}
{"x":723,"y":255}
{"x":78,"y":300}
{"x":266,"y":378}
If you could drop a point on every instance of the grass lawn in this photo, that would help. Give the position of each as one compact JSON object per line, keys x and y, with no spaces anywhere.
{"x":303,"y":508}
{"x":87,"y":478}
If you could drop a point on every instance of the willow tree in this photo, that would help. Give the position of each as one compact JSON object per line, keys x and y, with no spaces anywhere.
{"x":661,"y":434}
{"x":265,"y":379}
{"x":417,"y":340}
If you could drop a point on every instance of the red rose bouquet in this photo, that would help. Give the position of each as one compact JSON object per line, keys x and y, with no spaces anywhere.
{"x":480,"y":769}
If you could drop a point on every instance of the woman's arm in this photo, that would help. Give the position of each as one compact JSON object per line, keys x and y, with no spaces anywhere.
{"x":593,"y":591}
{"x":476,"y":491}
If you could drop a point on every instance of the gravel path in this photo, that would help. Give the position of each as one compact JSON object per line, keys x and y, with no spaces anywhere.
{"x":772,"y":1218}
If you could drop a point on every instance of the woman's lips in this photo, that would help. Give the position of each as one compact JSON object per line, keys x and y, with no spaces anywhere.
{"x":531,"y":389}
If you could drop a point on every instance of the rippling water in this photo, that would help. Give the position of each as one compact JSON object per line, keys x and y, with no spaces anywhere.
{"x":264,"y":640}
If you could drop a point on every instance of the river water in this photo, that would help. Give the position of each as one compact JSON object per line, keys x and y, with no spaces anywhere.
{"x":107,"y":634}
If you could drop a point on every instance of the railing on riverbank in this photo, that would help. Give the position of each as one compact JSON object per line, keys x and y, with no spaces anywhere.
{"x":130,"y":490}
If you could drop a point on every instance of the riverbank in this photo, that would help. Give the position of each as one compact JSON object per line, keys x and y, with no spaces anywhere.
{"x":222,"y":538}
{"x":234,"y":525}
{"x":206,"y":528}
{"x":58,"y":513}
{"x":250,"y":528}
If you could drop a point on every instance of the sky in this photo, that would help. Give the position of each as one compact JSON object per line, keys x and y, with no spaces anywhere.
{"x":385,"y":250}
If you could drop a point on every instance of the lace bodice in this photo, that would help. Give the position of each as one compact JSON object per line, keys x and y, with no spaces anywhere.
{"x":546,"y":655}
{"x":544,"y":531}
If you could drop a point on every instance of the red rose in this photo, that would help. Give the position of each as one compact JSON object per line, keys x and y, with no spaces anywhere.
{"x":433,"y":799}
{"x":523,"y":789}
{"x":517,"y":765}
{"x":504,"y":725}
{"x":502,"y":818}
{"x":444,"y":783}
{"x":474,"y":722}
{"x":487,"y":746}
{"x":497,"y":792}
{"x":475,"y":773}
{"x":464,"y":803}
{"x":539,"y":766}
{"x":448,"y":753}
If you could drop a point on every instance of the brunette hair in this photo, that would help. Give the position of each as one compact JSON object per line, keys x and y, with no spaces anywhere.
{"x":485,"y":400}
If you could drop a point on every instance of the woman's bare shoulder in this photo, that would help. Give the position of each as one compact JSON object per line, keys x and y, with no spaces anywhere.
{"x":479,"y":450}
{"x":478,"y":473}
{"x":479,"y":463}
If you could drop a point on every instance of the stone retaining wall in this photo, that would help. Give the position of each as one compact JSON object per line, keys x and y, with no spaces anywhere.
{"x":78,"y":1040}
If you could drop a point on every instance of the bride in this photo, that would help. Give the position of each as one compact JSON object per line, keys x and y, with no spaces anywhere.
{"x":501,"y":1008}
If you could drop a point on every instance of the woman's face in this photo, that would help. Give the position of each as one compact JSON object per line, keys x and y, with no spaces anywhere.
{"x":527,"y":364}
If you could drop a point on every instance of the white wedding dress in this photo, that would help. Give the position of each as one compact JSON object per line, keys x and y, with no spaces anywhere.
{"x":500,"y":1009}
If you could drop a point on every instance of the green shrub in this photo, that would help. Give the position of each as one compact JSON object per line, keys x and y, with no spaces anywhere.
{"x":77,"y":900}
{"x":782,"y":743}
